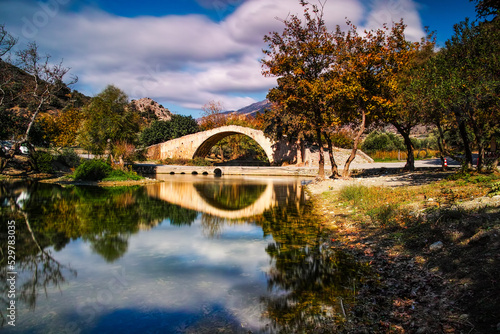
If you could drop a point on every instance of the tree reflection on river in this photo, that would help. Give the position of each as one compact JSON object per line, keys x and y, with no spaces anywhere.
{"x":188,"y":255}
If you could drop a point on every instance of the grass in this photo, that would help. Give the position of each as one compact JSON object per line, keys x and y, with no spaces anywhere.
{"x":457,"y":187}
{"x":120,"y":175}
{"x":495,"y":189}
{"x":407,"y":220}
{"x":98,"y":170}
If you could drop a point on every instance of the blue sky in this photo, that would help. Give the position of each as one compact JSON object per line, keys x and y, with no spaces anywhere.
{"x":185,"y":53}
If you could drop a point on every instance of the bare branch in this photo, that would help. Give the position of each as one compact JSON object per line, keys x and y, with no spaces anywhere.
{"x":7,"y":41}
{"x":47,"y":81}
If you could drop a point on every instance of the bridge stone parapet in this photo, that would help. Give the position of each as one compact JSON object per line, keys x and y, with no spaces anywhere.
{"x":199,"y":145}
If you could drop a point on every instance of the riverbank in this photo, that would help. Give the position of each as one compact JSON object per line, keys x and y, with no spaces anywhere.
{"x":432,"y":241}
{"x":64,"y":180}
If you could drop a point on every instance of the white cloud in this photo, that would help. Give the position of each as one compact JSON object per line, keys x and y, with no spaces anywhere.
{"x":168,"y":268}
{"x":389,"y":11}
{"x":256,"y":18}
{"x":181,"y":60}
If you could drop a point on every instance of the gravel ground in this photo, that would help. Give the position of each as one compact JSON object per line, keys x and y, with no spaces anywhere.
{"x":379,"y":180}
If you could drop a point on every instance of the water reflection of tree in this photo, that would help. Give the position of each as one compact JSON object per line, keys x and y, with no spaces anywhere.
{"x":35,"y":267}
{"x":51,"y":216}
{"x":212,"y":226}
{"x":317,"y":281}
{"x":104,"y":217}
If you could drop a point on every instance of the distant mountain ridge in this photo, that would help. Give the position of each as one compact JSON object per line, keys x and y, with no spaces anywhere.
{"x":253,"y":109}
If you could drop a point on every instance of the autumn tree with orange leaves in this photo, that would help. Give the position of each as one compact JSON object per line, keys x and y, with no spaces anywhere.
{"x":368,"y":73}
{"x":327,"y":79}
{"x":300,"y":58}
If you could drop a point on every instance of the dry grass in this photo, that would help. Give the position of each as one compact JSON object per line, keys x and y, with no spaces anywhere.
{"x":402,"y":155}
{"x":393,"y":228}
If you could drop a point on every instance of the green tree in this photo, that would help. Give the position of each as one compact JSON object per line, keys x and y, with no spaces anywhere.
{"x":183,"y":125}
{"x":108,"y":121}
{"x":365,"y":75}
{"x":485,"y":8}
{"x":464,"y":85}
{"x":382,"y":141}
{"x":161,"y":131}
{"x":406,"y":110}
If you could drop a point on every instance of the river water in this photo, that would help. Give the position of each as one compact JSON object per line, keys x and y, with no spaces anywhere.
{"x":192,"y":254}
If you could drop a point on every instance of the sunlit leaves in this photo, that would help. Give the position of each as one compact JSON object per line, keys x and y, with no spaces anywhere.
{"x":300,"y":57}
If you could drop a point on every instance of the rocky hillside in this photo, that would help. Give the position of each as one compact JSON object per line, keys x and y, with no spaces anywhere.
{"x":151,"y":109}
{"x":17,"y":87}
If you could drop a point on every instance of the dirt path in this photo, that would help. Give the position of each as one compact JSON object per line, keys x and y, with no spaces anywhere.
{"x":380,"y":179}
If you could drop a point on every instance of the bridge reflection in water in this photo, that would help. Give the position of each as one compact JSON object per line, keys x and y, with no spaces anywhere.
{"x":230,"y":198}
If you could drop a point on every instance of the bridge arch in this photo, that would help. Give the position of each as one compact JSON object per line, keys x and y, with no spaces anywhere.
{"x":199,"y":144}
{"x":227,"y":131}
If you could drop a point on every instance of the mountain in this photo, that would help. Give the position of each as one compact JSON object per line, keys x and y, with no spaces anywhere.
{"x":253,"y":109}
{"x":149,"y":107}
{"x":17,"y":88}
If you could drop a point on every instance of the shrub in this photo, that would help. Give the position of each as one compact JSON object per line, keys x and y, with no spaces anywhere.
{"x":43,"y":161}
{"x":342,"y":139}
{"x":382,"y":141}
{"x":92,"y":170}
{"x":464,"y":177}
{"x":69,"y":158}
{"x":125,"y":150}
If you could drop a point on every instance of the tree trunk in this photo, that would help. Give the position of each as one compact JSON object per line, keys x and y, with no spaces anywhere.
{"x":480,"y":155}
{"x":479,"y":142}
{"x":440,"y":143}
{"x":465,"y":139}
{"x":494,"y":164}
{"x":4,"y":160}
{"x":321,"y":169}
{"x":410,"y":160}
{"x":345,"y":173}
{"x":300,"y":152}
{"x":335,"y":170}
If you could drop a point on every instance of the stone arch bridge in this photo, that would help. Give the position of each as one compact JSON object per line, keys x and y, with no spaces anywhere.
{"x":199,"y":145}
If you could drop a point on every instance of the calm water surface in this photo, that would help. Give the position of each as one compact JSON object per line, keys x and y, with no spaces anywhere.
{"x":188,"y":255}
